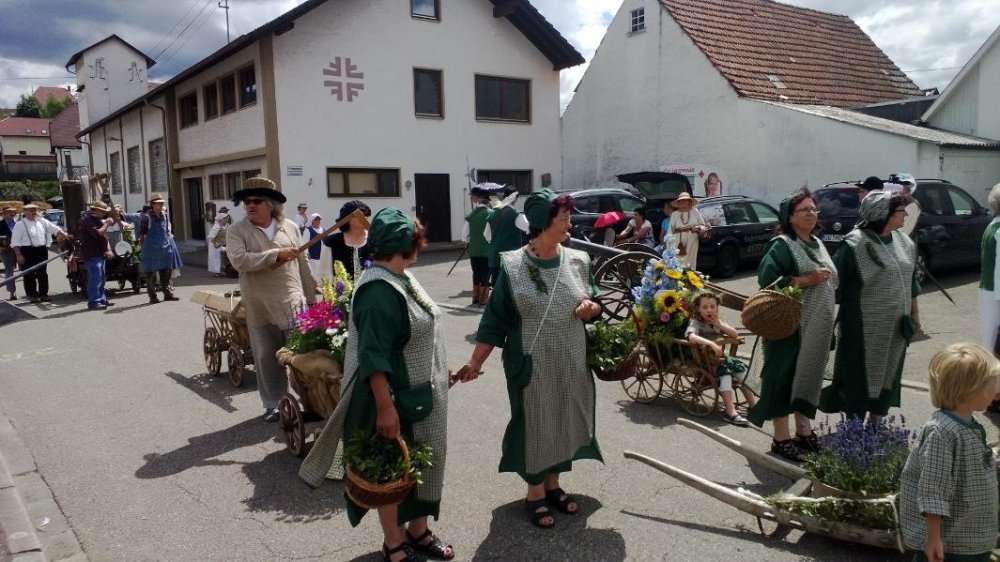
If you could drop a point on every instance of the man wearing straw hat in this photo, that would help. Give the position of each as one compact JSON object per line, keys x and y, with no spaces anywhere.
{"x":159,"y":253}
{"x":95,"y":248}
{"x":275,"y":281}
{"x":6,"y":252}
{"x":30,"y":239}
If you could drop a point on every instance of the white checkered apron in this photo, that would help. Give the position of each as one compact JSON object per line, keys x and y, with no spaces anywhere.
{"x":885,"y":298}
{"x":816,"y":327}
{"x":425,"y":358}
{"x":559,"y":401}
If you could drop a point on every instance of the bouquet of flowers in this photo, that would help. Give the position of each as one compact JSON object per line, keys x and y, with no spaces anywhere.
{"x":664,"y":299}
{"x":862,"y":457}
{"x":323,"y":325}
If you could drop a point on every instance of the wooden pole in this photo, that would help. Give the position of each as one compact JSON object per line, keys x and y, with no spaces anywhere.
{"x":781,"y":467}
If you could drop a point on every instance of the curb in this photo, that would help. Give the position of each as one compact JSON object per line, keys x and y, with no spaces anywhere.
{"x":32,"y":525}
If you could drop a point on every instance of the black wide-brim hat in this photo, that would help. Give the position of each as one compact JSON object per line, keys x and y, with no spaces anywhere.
{"x":259,"y":187}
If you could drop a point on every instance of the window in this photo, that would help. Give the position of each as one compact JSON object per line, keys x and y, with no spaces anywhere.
{"x":425,"y":9}
{"x":520,"y":179}
{"x":373,"y":182}
{"x":233,"y":184}
{"x":189,"y":110}
{"x":211,"y":96}
{"x":248,"y":86}
{"x":228,"y":85}
{"x":502,"y":98}
{"x":963,"y":205}
{"x":585,"y":204}
{"x":427,"y":95}
{"x":217,"y":186}
{"x":764,"y":213}
{"x":134,"y":170}
{"x":158,"y":165}
{"x":116,"y":172}
{"x":247,"y":174}
{"x":932,"y":199}
{"x":638,"y":19}
{"x":629,"y":205}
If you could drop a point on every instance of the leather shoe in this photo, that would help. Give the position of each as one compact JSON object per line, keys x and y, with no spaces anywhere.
{"x":153,"y":300}
{"x":169,"y":297}
{"x":271,"y":415}
{"x":98,"y":306}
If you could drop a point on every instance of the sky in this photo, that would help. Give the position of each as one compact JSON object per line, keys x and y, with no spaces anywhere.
{"x":930,"y":40}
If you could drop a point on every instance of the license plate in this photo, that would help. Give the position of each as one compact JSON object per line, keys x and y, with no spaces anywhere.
{"x":833,"y":237}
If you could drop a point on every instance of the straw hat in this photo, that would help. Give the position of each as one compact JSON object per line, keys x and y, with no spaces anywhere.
{"x":683,"y":198}
{"x":155,"y":197}
{"x":100,"y":206}
{"x":29,"y":206}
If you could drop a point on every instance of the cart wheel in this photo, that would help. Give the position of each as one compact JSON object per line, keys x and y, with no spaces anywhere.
{"x":293,"y":426}
{"x":695,"y":389}
{"x":237,"y":366}
{"x":616,"y":278}
{"x":212,"y":348}
{"x":646,"y":383}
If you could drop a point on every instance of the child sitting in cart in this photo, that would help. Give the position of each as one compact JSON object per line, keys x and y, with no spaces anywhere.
{"x":948,"y":488}
{"x":703,"y":328}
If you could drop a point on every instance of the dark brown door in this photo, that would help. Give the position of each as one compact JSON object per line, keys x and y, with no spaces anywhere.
{"x":196,"y":211}
{"x":433,"y":192}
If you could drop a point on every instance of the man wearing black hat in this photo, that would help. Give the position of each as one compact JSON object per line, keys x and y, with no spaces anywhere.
{"x":275,"y":281}
{"x":871,"y":183}
{"x":95,"y":248}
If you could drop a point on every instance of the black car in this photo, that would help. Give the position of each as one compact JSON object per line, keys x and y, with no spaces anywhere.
{"x":658,"y":189}
{"x":948,"y":232}
{"x":741,"y":228}
{"x":592,"y":203}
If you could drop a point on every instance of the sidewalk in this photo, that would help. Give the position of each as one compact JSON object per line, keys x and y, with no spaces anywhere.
{"x":32,"y":527}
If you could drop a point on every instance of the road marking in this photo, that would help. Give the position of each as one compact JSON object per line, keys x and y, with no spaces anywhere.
{"x":41,"y":352}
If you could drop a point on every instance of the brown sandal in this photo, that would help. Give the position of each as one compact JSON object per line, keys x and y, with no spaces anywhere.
{"x":437,"y":548}
{"x":787,"y":450}
{"x":411,"y":555}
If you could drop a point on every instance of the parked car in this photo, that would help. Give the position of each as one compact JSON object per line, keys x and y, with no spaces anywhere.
{"x":947,"y":234}
{"x":741,"y":228}
{"x":592,"y":203}
{"x":57,"y":217}
{"x":658,"y":189}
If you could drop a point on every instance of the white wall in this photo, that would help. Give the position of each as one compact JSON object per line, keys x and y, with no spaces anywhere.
{"x":112,"y":75}
{"x":652,"y":99}
{"x":971,"y":107}
{"x":976,"y":171}
{"x":237,"y":131}
{"x":32,"y":146}
{"x":379,"y":129}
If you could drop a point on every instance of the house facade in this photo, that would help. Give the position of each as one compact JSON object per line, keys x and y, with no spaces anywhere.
{"x":334,"y":107}
{"x":25,"y":152}
{"x":678,"y":84}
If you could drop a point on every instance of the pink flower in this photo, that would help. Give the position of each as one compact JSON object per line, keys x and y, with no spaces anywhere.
{"x":665,"y":317}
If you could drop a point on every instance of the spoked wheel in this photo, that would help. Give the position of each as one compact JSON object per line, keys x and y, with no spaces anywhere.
{"x":646,"y":383}
{"x":695,"y":389}
{"x":237,"y":366}
{"x":640,"y":248}
{"x":293,"y":426}
{"x":616,"y":278}
{"x":213,"y":351}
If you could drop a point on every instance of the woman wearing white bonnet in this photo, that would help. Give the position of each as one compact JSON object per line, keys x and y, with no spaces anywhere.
{"x":217,"y":243}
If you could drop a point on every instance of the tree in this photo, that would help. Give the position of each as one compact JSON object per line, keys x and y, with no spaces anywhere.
{"x":28,"y":107}
{"x":54,"y":106}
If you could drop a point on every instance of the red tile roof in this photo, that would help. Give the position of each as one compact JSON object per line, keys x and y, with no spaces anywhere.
{"x":821,"y":58}
{"x":63,"y":128}
{"x":24,"y":127}
{"x":42,"y":93}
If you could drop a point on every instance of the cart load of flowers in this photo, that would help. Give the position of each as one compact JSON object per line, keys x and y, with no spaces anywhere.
{"x":664,"y":300}
{"x":317,"y":342}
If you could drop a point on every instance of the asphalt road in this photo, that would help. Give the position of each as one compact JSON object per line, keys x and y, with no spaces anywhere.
{"x":151,"y":459}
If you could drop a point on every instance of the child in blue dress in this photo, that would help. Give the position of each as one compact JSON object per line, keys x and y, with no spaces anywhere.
{"x":704,"y":328}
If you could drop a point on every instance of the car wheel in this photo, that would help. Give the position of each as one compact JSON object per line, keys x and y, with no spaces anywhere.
{"x":923,"y":265}
{"x":727,"y":261}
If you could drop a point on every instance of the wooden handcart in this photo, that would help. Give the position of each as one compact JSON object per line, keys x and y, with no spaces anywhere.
{"x":314,"y":389}
{"x":225,"y":330}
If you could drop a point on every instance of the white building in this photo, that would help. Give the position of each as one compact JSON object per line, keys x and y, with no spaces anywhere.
{"x":383,"y":101}
{"x":755,"y":91}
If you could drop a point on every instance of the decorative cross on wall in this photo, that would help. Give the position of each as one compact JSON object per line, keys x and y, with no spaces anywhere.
{"x":345,"y":70}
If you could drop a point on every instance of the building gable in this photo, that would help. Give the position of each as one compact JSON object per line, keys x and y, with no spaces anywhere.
{"x":967,"y":104}
{"x":776,"y":52}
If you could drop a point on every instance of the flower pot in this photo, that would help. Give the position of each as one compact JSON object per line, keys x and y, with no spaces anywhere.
{"x":821,"y":490}
{"x":624,"y":370}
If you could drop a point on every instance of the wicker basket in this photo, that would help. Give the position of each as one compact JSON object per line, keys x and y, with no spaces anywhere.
{"x":772,"y":314}
{"x":373,"y":496}
{"x":625,"y":369}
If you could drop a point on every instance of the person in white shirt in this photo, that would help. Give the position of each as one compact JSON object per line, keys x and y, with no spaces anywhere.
{"x":217,"y":243}
{"x":30,"y":239}
{"x":301,"y":219}
{"x":639,"y":230}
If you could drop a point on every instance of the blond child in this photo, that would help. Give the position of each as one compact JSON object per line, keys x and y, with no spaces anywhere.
{"x":704,"y":328}
{"x":948,"y":488}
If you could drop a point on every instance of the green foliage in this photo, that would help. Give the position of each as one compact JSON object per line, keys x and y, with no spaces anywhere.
{"x":866,"y":457}
{"x":865,"y":513}
{"x":790,"y":291}
{"x":47,"y":189}
{"x":18,"y":191}
{"x":28,"y":106}
{"x":54,"y":106}
{"x":380,"y":461}
{"x":608,"y":345}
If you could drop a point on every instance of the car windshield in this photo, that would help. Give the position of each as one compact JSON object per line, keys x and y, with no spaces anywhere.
{"x":834,"y":203}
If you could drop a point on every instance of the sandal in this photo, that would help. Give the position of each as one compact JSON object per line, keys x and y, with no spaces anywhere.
{"x":787,"y":450}
{"x":434,"y":549}
{"x":405,"y":547}
{"x":807,"y":443}
{"x":537,"y":510}
{"x":560,"y":500}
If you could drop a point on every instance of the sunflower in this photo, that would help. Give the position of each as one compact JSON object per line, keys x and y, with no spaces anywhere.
{"x":694,"y":280}
{"x":668,"y":301}
{"x":674,"y":274}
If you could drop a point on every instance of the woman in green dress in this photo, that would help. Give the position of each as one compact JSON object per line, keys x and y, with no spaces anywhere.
{"x":878,"y":309}
{"x":543,"y":287}
{"x":395,"y":360}
{"x":794,"y":366}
